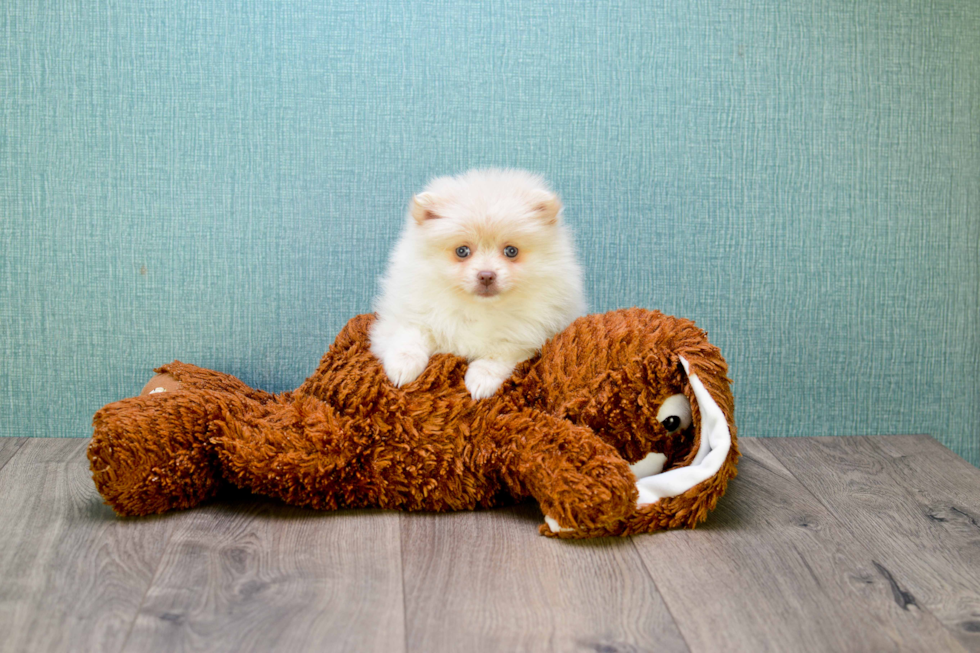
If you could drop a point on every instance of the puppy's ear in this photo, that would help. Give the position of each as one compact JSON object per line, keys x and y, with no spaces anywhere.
{"x":546,"y":206}
{"x":423,"y":207}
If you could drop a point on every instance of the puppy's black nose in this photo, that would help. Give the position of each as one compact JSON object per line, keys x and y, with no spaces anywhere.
{"x":486,"y":277}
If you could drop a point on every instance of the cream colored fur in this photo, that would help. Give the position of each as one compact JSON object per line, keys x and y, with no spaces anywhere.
{"x":433,"y":300}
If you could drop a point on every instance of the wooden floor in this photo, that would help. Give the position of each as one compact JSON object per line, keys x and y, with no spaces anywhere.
{"x":821,"y":544}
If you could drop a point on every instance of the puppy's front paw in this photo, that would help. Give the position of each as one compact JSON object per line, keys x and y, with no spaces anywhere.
{"x":484,"y":377}
{"x":404,"y":365}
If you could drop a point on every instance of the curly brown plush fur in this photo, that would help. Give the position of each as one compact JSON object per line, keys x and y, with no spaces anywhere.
{"x":562,"y":430}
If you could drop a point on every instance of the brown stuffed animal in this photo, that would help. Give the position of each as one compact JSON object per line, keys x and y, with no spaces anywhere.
{"x":623,"y":424}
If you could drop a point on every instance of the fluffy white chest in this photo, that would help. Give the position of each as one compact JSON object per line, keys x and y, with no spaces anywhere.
{"x":474,"y":332}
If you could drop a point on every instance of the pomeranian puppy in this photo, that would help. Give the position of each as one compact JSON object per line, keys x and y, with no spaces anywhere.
{"x":484,"y":269}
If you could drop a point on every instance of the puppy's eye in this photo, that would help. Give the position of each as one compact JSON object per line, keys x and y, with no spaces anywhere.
{"x":462,"y":251}
{"x":675,"y":413}
{"x":510,"y":251}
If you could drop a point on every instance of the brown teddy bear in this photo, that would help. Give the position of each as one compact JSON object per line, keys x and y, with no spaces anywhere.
{"x":622,"y":424}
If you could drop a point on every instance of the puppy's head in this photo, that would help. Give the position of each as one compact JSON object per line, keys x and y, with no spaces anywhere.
{"x":488,"y":232}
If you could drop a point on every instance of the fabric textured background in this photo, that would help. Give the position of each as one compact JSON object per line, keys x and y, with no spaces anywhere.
{"x":220,"y":182}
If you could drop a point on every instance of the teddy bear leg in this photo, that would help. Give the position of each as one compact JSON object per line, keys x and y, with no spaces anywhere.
{"x":176,"y":376}
{"x":149,"y":454}
{"x":580,"y":481}
{"x":160,"y":383}
{"x":297,"y":449}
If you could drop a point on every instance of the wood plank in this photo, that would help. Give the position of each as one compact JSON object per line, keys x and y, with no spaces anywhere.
{"x":8,"y":447}
{"x":916,"y":506}
{"x":52,"y":450}
{"x":255,"y":575}
{"x":897,"y":446}
{"x":71,"y":573}
{"x":957,"y":475}
{"x":773,"y":570}
{"x":879,"y":540}
{"x":487,"y":581}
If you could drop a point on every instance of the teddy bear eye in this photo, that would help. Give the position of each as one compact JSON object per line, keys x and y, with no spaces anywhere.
{"x":462,"y":251}
{"x":510,"y":251}
{"x":675,"y":413}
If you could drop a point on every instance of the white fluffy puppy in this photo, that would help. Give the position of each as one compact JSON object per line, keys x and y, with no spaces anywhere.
{"x":484,"y":269}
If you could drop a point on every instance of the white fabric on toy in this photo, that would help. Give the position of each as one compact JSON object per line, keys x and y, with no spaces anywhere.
{"x":716,"y":440}
{"x":650,"y":464}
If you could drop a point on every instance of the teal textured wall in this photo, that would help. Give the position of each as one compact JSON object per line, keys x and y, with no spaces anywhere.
{"x":220,"y":182}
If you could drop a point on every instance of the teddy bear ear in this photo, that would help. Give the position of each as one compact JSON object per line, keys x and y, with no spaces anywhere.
{"x":423,"y":207}
{"x":546,"y":206}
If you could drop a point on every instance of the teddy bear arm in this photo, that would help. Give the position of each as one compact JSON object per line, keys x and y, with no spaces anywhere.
{"x":299,"y":449}
{"x":579,"y":480}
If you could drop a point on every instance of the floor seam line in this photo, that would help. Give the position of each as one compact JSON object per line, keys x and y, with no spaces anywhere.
{"x":17,"y":449}
{"x":663,"y":598}
{"x":401,"y":557}
{"x":146,"y":592}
